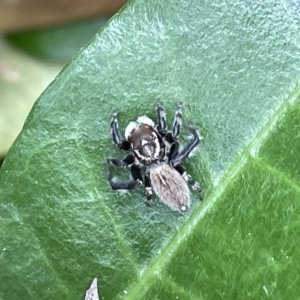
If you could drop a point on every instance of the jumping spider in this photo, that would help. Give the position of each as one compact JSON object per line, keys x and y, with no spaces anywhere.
{"x":157,"y":149}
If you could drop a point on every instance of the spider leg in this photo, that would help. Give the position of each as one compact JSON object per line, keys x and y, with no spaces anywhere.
{"x":122,"y":144}
{"x":188,"y":178}
{"x":148,"y":190}
{"x":136,"y":173}
{"x":127,"y":184}
{"x":177,"y":121}
{"x":174,"y":147}
{"x":123,"y":185}
{"x":170,"y":138}
{"x":122,"y":163}
{"x":161,"y":120}
{"x":181,"y":156}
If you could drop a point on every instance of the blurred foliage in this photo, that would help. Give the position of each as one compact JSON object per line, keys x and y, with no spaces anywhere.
{"x":57,"y":43}
{"x":1,"y":160}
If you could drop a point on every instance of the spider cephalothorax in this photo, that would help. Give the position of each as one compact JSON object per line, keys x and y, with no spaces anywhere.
{"x":157,"y":150}
{"x":144,"y":140}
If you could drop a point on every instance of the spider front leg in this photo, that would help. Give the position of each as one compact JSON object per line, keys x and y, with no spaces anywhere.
{"x":127,"y":184}
{"x":188,"y":178}
{"x":122,"y":163}
{"x":181,"y":156}
{"x":177,"y":121}
{"x":122,"y":144}
{"x":161,"y":120}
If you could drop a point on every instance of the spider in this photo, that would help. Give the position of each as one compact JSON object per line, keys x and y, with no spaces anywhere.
{"x":156,"y":149}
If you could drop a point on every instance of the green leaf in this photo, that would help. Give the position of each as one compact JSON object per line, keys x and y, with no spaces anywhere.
{"x":235,"y":67}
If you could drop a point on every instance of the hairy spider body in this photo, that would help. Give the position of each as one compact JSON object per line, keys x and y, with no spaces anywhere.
{"x":157,"y":150}
{"x":170,"y":187}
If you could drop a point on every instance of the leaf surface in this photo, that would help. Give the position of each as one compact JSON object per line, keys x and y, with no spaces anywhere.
{"x":235,"y":66}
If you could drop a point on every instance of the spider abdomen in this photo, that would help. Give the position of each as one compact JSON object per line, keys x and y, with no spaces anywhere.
{"x":170,"y":187}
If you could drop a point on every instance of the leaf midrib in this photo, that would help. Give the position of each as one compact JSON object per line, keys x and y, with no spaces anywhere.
{"x":154,"y":268}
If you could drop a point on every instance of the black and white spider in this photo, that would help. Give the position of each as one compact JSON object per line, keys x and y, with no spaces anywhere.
{"x":157,"y":149}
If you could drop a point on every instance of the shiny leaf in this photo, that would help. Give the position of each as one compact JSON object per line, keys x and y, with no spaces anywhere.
{"x":234,"y":65}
